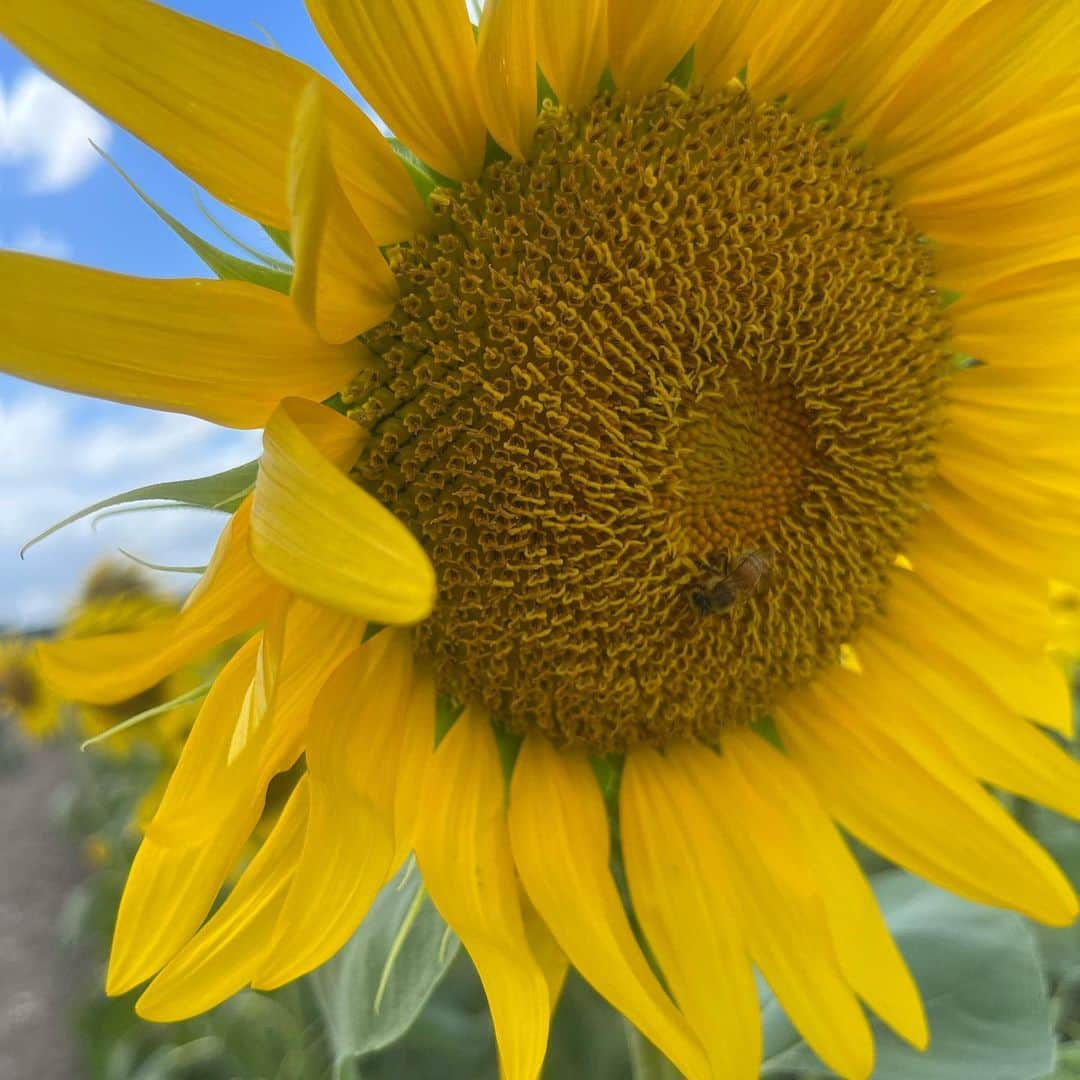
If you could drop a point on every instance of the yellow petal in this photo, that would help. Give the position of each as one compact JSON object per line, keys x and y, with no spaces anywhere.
{"x":352,"y":748}
{"x":259,"y":699}
{"x":232,"y":596}
{"x":1028,"y":682}
{"x":224,"y":955}
{"x":997,"y":66}
{"x":174,"y":879}
{"x":561,"y":843}
{"x":341,"y":283}
{"x":571,"y":45}
{"x":415,"y":62}
{"x":904,"y":793}
{"x":982,"y":584}
{"x":781,"y":909}
{"x":214,"y":797}
{"x":417,"y":751}
{"x":322,"y":535}
{"x":868,"y":956}
{"x":545,"y":949}
{"x":1026,"y":320}
{"x":682,"y":897}
{"x":872,"y":59}
{"x":506,"y":73}
{"x":724,"y":47}
{"x":217,"y":106}
{"x":647,"y":40}
{"x":796,"y":54}
{"x":463,"y":850}
{"x":1024,"y":180}
{"x":223,"y":350}
{"x":996,"y":744}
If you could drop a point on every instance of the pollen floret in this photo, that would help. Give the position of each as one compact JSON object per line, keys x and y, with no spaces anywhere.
{"x":689,"y":328}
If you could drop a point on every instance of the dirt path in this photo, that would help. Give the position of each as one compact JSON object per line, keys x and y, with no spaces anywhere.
{"x":37,"y":980}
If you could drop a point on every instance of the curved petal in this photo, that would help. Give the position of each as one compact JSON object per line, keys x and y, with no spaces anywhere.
{"x":415,"y":62}
{"x":868,"y":956}
{"x":215,"y":795}
{"x":998,"y":746}
{"x":781,"y":908}
{"x":1008,"y":58}
{"x":872,"y":58}
{"x":797,"y":52}
{"x":894,"y":789}
{"x":223,"y":350}
{"x":724,"y":46}
{"x":1028,"y":682}
{"x":559,"y":833}
{"x":341,"y":283}
{"x":323,"y":536}
{"x":232,"y":596}
{"x":506,"y":73}
{"x":417,"y":751}
{"x":352,"y":748}
{"x":1028,"y":320}
{"x":463,"y":851}
{"x":171,"y":886}
{"x":683,"y":899}
{"x":647,"y":40}
{"x":224,"y":955}
{"x":571,"y":45}
{"x":217,"y":106}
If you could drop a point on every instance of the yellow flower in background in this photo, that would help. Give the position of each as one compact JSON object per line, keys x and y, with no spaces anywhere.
{"x":118,"y":599}
{"x":1065,"y":637}
{"x":665,"y":399}
{"x":24,"y":693}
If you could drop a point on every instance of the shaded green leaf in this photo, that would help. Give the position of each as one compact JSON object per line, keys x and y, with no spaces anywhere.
{"x":372,"y":991}
{"x":979,"y":976}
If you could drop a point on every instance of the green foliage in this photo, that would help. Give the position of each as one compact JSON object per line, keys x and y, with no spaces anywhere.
{"x":268,"y":273}
{"x":223,"y":491}
{"x":372,"y":991}
{"x":981,"y":983}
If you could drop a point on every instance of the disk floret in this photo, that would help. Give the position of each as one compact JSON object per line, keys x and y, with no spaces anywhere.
{"x":688,"y":328}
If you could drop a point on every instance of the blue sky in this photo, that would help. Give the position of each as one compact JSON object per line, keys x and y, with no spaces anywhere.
{"x":59,"y":452}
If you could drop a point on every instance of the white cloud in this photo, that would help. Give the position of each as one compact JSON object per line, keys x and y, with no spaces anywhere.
{"x":47,"y":130}
{"x":56,"y":459}
{"x":37,"y":241}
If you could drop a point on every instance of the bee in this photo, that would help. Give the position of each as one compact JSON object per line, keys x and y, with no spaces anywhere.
{"x":718,"y":593}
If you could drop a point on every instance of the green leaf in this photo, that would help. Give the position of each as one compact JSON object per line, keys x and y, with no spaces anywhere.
{"x":979,"y":976}
{"x":1060,"y":946}
{"x":646,"y":1062}
{"x":372,"y":991}
{"x":230,"y":267}
{"x":425,"y":180}
{"x":282,"y":240}
{"x":222,"y":491}
{"x":255,"y":253}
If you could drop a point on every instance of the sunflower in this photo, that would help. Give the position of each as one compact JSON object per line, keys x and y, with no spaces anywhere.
{"x":598,"y":433}
{"x":24,"y":693}
{"x":116,"y":600}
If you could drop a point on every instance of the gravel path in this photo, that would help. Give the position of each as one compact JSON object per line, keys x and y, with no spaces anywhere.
{"x":38,"y":981}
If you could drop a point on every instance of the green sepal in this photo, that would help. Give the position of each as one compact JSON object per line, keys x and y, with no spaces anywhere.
{"x":222,"y":491}
{"x":683,"y":71}
{"x":425,"y":180}
{"x":226,"y":266}
{"x":281,"y":239}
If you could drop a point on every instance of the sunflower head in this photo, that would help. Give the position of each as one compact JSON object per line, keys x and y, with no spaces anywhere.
{"x":720,"y":373}
{"x":23,"y":692}
{"x":120,"y":600}
{"x":689,"y":327}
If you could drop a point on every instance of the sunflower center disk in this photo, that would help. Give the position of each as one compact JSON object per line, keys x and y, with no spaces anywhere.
{"x":660,"y":404}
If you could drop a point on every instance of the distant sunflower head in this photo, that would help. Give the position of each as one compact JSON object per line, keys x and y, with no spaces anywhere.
{"x":119,"y":600}
{"x":23,"y":693}
{"x":669,"y":436}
